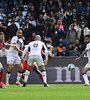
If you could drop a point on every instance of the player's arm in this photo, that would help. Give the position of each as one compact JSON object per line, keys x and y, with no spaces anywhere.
{"x":14,"y":46}
{"x":45,"y":52}
{"x":25,"y":52}
{"x":82,"y":54}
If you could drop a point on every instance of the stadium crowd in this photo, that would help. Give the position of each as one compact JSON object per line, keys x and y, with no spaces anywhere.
{"x":62,"y":24}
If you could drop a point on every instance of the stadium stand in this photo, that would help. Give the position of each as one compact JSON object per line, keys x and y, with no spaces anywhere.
{"x":66,"y":22}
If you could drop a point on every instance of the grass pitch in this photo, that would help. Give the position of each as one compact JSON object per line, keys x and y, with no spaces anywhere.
{"x":39,"y":92}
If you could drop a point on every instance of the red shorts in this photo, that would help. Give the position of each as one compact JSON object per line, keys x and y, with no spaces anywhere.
{"x":25,"y":65}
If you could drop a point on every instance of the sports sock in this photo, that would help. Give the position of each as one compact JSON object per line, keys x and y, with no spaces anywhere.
{"x":85,"y":77}
{"x":8,"y":74}
{"x":19,"y":75}
{"x":26,"y":75}
{"x":38,"y":72}
{"x":44,"y":76}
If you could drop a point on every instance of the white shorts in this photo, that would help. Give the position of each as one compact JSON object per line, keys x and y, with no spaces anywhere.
{"x":35,"y":58}
{"x":87,"y":65}
{"x":13,"y":59}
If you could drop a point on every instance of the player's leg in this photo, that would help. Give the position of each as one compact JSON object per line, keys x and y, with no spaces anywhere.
{"x":8,"y":74}
{"x":25,"y":66}
{"x":2,"y":85}
{"x":19,"y":74}
{"x":36,"y":69}
{"x":1,"y":72}
{"x":26,"y":76}
{"x":1,"y":76}
{"x":27,"y":72}
{"x":40,"y":63}
{"x":84,"y":71}
{"x":20,"y":70}
{"x":10,"y":62}
{"x":44,"y":74}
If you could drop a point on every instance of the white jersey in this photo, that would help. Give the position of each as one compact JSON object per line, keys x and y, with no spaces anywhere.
{"x":18,"y":42}
{"x":88,"y":51}
{"x":35,"y":48}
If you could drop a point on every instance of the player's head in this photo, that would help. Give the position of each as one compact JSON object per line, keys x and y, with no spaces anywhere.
{"x":87,"y":38}
{"x":38,"y":37}
{"x":1,"y":36}
{"x":19,"y":33}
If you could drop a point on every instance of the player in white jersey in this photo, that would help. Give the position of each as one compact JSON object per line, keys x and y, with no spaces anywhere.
{"x":13,"y":56}
{"x":35,"y":55}
{"x":87,"y":66}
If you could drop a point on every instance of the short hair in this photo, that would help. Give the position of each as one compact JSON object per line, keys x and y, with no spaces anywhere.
{"x":38,"y":37}
{"x":19,"y":30}
{"x":1,"y":33}
{"x":88,"y":35}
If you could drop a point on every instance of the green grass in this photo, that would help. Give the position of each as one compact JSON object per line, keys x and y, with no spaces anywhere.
{"x":38,"y":92}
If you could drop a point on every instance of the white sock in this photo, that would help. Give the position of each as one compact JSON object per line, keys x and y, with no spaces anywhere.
{"x":85,"y":77}
{"x":27,"y":72}
{"x":19,"y":75}
{"x":44,"y":76}
{"x":8,"y":76}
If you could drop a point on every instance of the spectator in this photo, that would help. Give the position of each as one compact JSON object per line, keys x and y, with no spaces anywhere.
{"x":50,"y":27}
{"x":61,"y":27}
{"x":33,"y":11}
{"x":59,"y":32}
{"x":14,"y":12}
{"x":55,"y":52}
{"x":72,"y":35}
{"x":25,"y":11}
{"x":64,"y":52}
{"x":11,"y":29}
{"x":80,"y":8}
{"x":88,"y":18}
{"x":76,"y":52}
{"x":3,"y":29}
{"x":70,"y":49}
{"x":50,"y":48}
{"x":76,"y":27}
{"x":13,"y":22}
{"x":50,"y":6}
{"x":69,"y":17}
{"x":6,"y":8}
{"x":30,"y":26}
{"x":2,"y":14}
{"x":32,"y":37}
{"x":60,"y":49}
{"x":25,"y":32}
{"x":40,"y":25}
{"x":49,"y":18}
{"x":19,"y":17}
{"x":84,"y":31}
{"x":2,"y":40}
